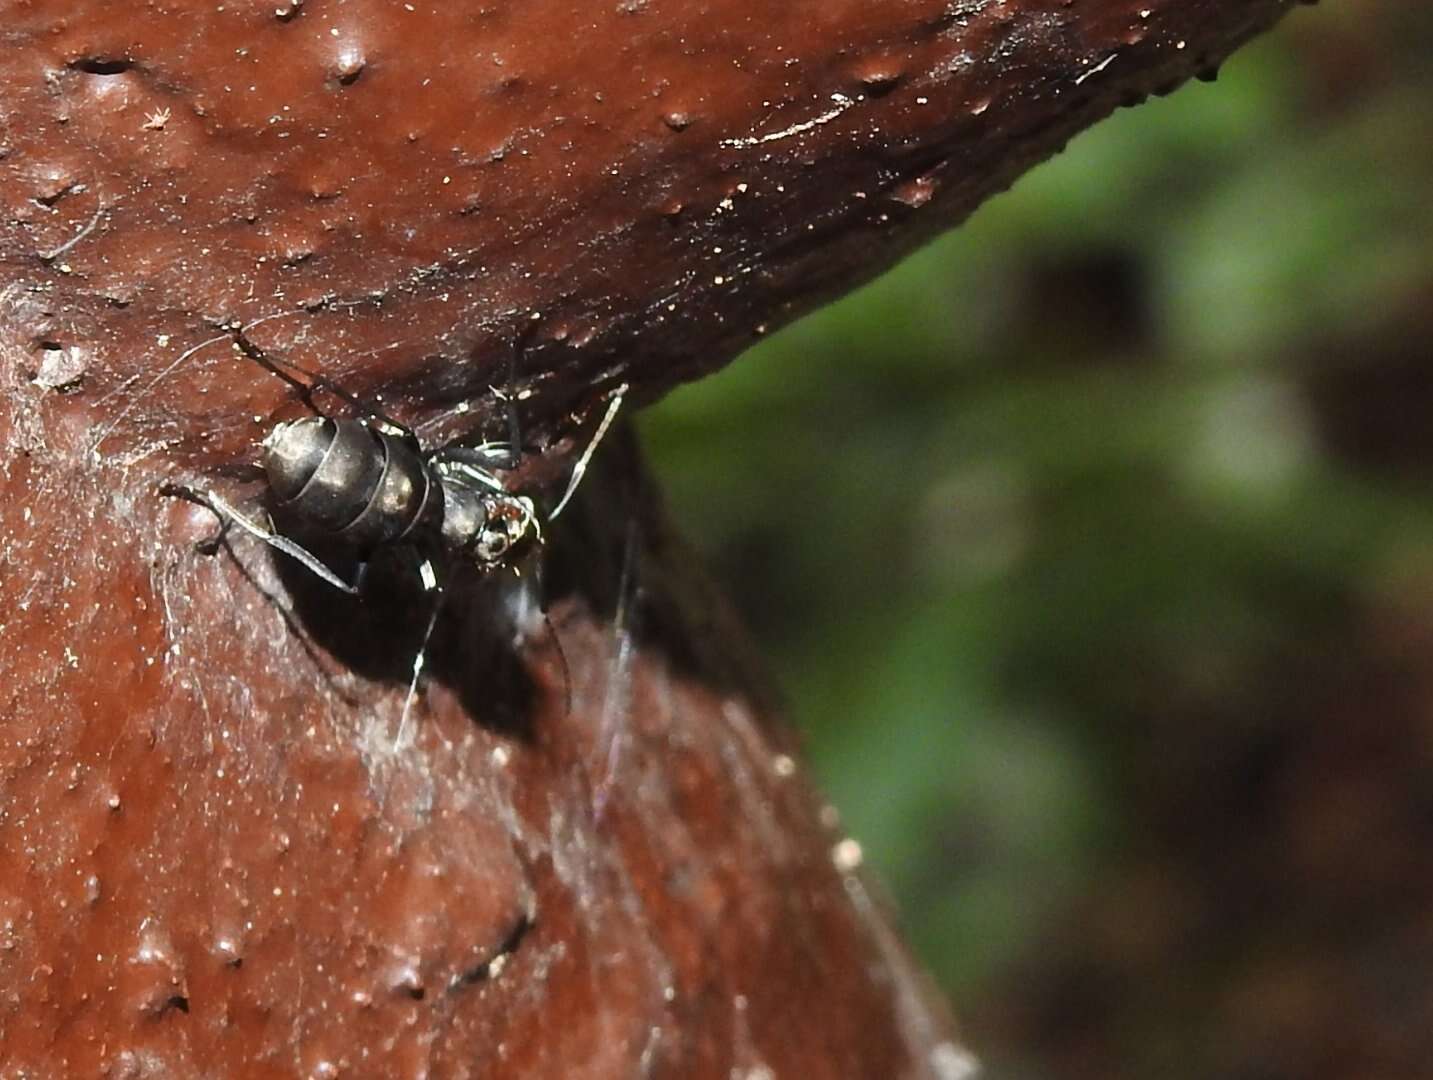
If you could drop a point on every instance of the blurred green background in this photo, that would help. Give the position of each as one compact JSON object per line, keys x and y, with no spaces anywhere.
{"x":1094,"y":548}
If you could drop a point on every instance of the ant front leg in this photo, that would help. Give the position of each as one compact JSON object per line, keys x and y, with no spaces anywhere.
{"x":431,"y":585}
{"x":480,"y":464}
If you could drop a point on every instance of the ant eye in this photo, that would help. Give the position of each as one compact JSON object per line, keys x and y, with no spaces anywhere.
{"x":493,"y":545}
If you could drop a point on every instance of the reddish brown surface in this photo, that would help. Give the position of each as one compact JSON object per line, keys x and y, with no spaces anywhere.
{"x":212,"y":859}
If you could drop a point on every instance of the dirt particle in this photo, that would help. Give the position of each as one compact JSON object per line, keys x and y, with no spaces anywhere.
{"x":62,"y":367}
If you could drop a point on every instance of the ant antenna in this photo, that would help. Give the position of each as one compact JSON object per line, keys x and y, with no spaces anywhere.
{"x":581,"y":466}
{"x":539,"y":590}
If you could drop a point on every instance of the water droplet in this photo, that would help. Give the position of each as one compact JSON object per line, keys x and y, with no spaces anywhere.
{"x":915,"y":193}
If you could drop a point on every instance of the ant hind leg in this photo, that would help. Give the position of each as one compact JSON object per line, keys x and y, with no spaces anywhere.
{"x":299,"y":554}
{"x":312,"y":380}
{"x":210,"y":544}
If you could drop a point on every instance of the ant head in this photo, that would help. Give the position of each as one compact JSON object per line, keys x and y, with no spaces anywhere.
{"x":512,"y":523}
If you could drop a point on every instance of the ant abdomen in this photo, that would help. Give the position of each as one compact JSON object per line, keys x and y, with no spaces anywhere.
{"x":351,"y":480}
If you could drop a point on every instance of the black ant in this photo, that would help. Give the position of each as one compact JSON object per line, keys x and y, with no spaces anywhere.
{"x":368,"y":483}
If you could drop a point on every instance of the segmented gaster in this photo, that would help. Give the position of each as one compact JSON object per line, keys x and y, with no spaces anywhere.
{"x":365,"y":486}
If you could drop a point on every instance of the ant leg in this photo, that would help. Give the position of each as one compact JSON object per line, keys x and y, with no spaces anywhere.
{"x":495,"y":454}
{"x":500,"y":455}
{"x":514,"y":431}
{"x":506,"y":396}
{"x":521,"y":614}
{"x":360,"y":575}
{"x":562,"y":661}
{"x":476,"y":463}
{"x":617,"y":699}
{"x":234,"y":334}
{"x":428,"y":575}
{"x":402,"y":741}
{"x":284,"y":370}
{"x":210,"y":545}
{"x":281,"y":543}
{"x":581,"y":466}
{"x":489,"y":455}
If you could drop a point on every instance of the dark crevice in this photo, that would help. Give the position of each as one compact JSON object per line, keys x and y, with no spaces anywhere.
{"x":103,"y":65}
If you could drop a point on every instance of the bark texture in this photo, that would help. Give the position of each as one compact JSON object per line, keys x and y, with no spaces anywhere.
{"x":598,"y":857}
